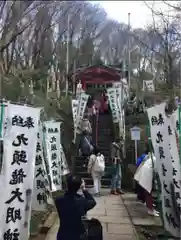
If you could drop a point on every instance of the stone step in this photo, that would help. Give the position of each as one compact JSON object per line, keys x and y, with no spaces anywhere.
{"x":81,"y":163}
{"x":104,"y":140}
{"x":88,"y":175}
{"x":105,"y":136}
{"x":105,"y":125}
{"x":79,"y":158}
{"x":104,"y":144}
{"x":106,"y":129}
{"x":105,"y":117}
{"x":105,"y":147}
{"x":104,"y":182}
{"x":105,"y":121}
{"x":84,"y":169}
{"x":106,"y":133}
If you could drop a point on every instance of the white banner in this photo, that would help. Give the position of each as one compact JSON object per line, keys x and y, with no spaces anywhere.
{"x":174,"y":150}
{"x":64,"y":164}
{"x":74,"y":110}
{"x":119,"y":91}
{"x":120,"y":102}
{"x":46,"y":166}
{"x":116,"y":101}
{"x":125,"y":88}
{"x":3,"y":111}
{"x":163,"y":152}
{"x":41,"y":194}
{"x":75,"y":103}
{"x":19,"y":167}
{"x":148,"y":85}
{"x":80,"y":111}
{"x":111,"y":92}
{"x":52,"y":139}
{"x":175,"y":121}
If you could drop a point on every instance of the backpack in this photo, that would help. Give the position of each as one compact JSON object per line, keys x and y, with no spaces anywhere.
{"x":93,"y":229}
{"x":99,"y":165}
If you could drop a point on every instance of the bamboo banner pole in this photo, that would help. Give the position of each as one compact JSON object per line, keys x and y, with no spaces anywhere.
{"x":1,"y":119}
{"x":179,"y":120}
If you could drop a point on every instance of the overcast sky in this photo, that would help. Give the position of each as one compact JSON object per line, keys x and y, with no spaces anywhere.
{"x":140,"y":14}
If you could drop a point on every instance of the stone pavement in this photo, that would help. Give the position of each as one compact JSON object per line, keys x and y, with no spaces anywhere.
{"x":110,"y":210}
{"x":138,"y":212}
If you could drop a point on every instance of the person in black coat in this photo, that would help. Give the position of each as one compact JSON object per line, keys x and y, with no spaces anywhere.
{"x":71,"y":208}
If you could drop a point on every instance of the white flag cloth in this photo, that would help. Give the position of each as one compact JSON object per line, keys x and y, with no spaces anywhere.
{"x":41,"y":194}
{"x":111,"y":92}
{"x":64,"y":165}
{"x":74,"y":110}
{"x":173,"y":131}
{"x":52,"y":139}
{"x":4,"y":118}
{"x":160,"y":135}
{"x":78,"y":108}
{"x":175,"y":121}
{"x":18,"y":171}
{"x":116,"y":101}
{"x":75,"y":103}
{"x":144,"y":173}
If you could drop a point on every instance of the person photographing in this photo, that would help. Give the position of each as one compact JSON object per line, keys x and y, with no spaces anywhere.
{"x":71,"y":208}
{"x":116,"y":158}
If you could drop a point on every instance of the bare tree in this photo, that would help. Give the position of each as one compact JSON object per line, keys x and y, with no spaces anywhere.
{"x":34,"y":40}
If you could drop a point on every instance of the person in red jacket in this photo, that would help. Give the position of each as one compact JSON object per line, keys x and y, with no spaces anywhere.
{"x":104,"y":102}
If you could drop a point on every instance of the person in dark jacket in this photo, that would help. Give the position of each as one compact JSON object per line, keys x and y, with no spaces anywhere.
{"x":86,"y":144}
{"x":71,"y":208}
{"x":117,"y":160}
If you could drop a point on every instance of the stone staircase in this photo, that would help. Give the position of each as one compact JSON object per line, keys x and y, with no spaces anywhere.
{"x":105,"y":138}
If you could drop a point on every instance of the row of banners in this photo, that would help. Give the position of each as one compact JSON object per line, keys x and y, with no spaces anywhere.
{"x":33,"y":162}
{"x":116,"y":96}
{"x":164,"y":135}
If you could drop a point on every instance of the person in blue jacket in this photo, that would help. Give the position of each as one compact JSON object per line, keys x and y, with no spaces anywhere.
{"x":139,"y":189}
{"x":141,"y":158}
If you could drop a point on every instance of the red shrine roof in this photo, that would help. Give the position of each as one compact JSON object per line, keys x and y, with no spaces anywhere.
{"x":98,"y":73}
